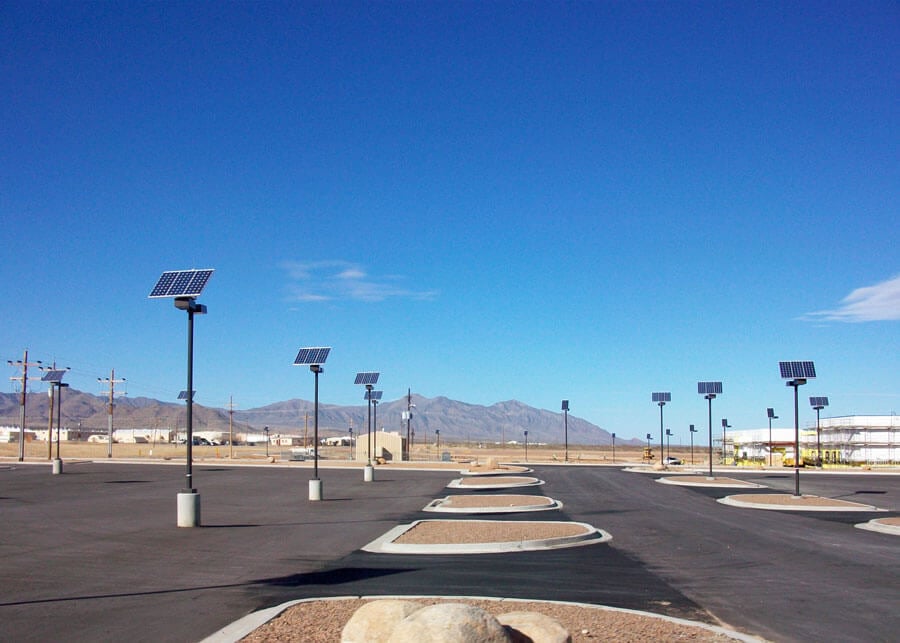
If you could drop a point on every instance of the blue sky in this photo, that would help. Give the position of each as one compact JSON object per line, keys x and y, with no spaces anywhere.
{"x":486,"y":201}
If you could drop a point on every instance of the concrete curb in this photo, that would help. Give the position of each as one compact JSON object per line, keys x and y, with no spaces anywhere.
{"x":437,"y":506}
{"x":879,"y":526}
{"x":385,"y":544}
{"x":242,"y":627}
{"x":735,"y":501}
{"x":733,"y":484}
{"x":459,"y":484}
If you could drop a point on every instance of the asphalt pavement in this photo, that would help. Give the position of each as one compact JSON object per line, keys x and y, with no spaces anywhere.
{"x":95,"y":553}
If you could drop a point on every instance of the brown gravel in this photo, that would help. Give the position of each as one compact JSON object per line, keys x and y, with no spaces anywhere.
{"x":499,"y":500}
{"x":789,"y":500}
{"x":495,"y":480}
{"x":322,"y":622}
{"x":463,"y":532}
{"x":895,"y":522}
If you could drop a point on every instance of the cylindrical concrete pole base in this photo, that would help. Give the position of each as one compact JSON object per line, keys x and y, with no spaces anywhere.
{"x":188,"y":509}
{"x":315,"y":489}
{"x":368,"y":473}
{"x":57,"y":466}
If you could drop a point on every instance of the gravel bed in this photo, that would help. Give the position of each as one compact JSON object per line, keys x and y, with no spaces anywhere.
{"x":462,"y":532}
{"x":789,"y":500}
{"x":733,"y":482}
{"x":495,"y":480}
{"x":323,"y":621}
{"x":499,"y":500}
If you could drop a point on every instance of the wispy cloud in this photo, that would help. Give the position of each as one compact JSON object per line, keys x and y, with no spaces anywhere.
{"x":343,"y":280}
{"x":880,"y":302}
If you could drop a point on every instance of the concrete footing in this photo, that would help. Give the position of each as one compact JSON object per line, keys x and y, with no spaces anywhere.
{"x":57,"y":466}
{"x":368,"y":473}
{"x":315,"y":489}
{"x":188,"y":509}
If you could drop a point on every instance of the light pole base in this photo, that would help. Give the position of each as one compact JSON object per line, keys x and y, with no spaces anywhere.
{"x":368,"y":473}
{"x":315,"y":489}
{"x":188,"y":509}
{"x":57,"y":466}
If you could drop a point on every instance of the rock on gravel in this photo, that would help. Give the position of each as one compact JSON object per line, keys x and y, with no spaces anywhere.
{"x":534,"y":627}
{"x":450,"y":623}
{"x":375,"y":622}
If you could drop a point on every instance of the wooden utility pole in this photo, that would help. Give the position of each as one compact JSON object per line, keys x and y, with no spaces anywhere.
{"x":23,"y":364}
{"x":109,"y":408}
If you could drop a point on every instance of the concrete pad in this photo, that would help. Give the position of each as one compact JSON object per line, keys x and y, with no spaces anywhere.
{"x":787,"y":502}
{"x":534,"y":503}
{"x":501,"y":482}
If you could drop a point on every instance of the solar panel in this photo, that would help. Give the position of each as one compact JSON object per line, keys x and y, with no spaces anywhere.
{"x":316,"y":355}
{"x":181,"y":283}
{"x":820,"y":402}
{"x":565,"y":405}
{"x":373,"y":395}
{"x":662,"y":397}
{"x":367,"y":377}
{"x":54,"y":376}
{"x":709,"y":388}
{"x":797,"y":370}
{"x":183,"y":394}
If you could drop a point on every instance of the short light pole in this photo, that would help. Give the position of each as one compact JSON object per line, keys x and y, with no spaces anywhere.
{"x":649,"y":455}
{"x":351,"y":440}
{"x":771,"y":413}
{"x":375,"y":397}
{"x":692,"y":431}
{"x":661,"y":399}
{"x":59,"y":386}
{"x":614,"y":447}
{"x":797,"y":374}
{"x":266,"y":431}
{"x":526,"y":446}
{"x":314,"y":357}
{"x":565,"y":410}
{"x":368,"y":379}
{"x":437,"y":432}
{"x":668,"y":444}
{"x":725,"y":427}
{"x":818,"y":403}
{"x":709,"y":390}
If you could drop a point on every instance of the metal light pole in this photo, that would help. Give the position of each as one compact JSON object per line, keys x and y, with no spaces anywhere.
{"x":266,"y":431}
{"x":614,"y":447}
{"x":692,"y":431}
{"x":565,"y":409}
{"x":668,"y":443}
{"x":314,"y":357}
{"x":661,"y":399}
{"x":351,"y":440}
{"x":54,"y":377}
{"x":526,"y":446}
{"x":818,"y":403}
{"x":725,"y":427}
{"x":771,"y":413}
{"x":797,"y":374}
{"x":368,"y":379}
{"x":709,"y":390}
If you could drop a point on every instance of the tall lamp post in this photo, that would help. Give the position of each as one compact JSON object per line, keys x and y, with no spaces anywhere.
{"x":313,"y":357}
{"x":818,"y":403}
{"x":661,"y":399}
{"x":725,"y":427}
{"x":184,"y":286}
{"x":368,"y":379}
{"x":565,"y":410}
{"x":54,"y":377}
{"x":771,"y":413}
{"x":692,"y":431}
{"x":709,"y":390}
{"x":797,"y":374}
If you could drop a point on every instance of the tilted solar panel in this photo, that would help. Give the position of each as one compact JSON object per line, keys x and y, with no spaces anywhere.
{"x":181,"y":283}
{"x":662,"y":397}
{"x":367,"y":377}
{"x":709,"y":388}
{"x":797,"y":370}
{"x":315,"y":355}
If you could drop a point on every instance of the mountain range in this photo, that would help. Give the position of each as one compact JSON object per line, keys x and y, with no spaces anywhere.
{"x":500,"y":422}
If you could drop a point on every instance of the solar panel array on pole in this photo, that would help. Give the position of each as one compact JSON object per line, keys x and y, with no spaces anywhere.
{"x":373,"y":395}
{"x":367,"y":377}
{"x":312,"y":356}
{"x":181,"y":283}
{"x":709,"y":388}
{"x":54,"y":376}
{"x":797,"y":370}
{"x":818,"y":402}
{"x":661,"y":397}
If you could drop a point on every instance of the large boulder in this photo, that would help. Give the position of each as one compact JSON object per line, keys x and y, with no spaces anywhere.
{"x":374,"y":622}
{"x":449,"y":623}
{"x":533,"y":627}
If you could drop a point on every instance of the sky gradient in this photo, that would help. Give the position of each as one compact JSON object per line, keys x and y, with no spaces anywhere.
{"x":488,"y":201}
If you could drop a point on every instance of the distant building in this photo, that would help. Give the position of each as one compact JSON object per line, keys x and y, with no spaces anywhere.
{"x":389,"y":445}
{"x":853,"y":439}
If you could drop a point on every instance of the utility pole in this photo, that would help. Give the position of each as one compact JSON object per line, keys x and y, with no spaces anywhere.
{"x":23,"y":364}
{"x":112,"y":381}
{"x":231,"y":427}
